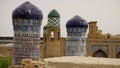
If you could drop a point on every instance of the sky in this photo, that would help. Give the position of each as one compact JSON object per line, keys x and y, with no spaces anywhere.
{"x":105,"y":12}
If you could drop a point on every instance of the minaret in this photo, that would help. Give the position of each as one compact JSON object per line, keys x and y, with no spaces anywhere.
{"x":52,"y":35}
{"x":76,"y":32}
{"x":26,"y":23}
{"x":53,"y":25}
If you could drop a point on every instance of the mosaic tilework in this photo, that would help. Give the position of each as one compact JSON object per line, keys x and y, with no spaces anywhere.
{"x":26,"y":24}
{"x":97,"y":47}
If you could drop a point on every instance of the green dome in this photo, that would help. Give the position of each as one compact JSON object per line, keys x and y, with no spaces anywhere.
{"x":45,"y":27}
{"x":53,"y":13}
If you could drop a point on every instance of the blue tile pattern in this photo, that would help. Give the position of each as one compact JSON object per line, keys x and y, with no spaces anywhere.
{"x":27,"y":11}
{"x":77,"y":21}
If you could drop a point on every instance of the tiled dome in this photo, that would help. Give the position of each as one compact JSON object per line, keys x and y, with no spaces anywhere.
{"x":45,"y":27}
{"x":27,"y":11}
{"x":54,"y":13}
{"x":77,"y":21}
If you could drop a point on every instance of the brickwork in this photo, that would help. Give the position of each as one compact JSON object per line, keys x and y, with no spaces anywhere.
{"x":106,"y":44}
{"x":5,"y":51}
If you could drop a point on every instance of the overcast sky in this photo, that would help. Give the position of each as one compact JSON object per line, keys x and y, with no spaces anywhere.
{"x":105,"y":12}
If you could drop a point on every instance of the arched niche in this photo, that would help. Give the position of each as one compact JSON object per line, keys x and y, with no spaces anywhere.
{"x":118,"y":55}
{"x":99,"y":53}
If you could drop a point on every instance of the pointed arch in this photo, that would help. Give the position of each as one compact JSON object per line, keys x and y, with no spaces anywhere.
{"x":99,"y":53}
{"x":118,"y":55}
{"x":52,"y":35}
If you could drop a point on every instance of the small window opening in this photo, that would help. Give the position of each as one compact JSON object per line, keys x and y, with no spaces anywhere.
{"x":108,"y":36}
{"x":52,"y":35}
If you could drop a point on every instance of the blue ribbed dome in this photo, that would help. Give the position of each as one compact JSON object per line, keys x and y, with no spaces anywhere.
{"x":77,"y":21}
{"x":27,"y":11}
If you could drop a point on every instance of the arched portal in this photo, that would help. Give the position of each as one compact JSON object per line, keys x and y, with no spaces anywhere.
{"x":99,"y":53}
{"x":118,"y":55}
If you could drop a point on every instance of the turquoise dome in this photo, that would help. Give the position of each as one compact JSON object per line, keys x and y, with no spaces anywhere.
{"x":54,"y":13}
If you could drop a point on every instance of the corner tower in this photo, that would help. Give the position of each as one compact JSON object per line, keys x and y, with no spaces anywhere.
{"x":26,"y":23}
{"x":94,"y":33}
{"x":76,"y":32}
{"x":52,"y":35}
